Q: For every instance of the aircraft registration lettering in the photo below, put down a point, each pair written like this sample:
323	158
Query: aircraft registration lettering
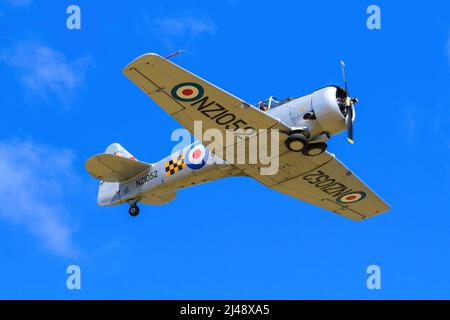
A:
146	178
194	93
221	115
328	185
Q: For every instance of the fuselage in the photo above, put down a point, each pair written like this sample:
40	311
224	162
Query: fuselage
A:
157	184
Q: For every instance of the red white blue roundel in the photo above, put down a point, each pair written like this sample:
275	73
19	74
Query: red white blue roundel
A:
196	157
187	91
351	197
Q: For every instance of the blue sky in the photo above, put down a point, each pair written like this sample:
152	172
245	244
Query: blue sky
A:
64	98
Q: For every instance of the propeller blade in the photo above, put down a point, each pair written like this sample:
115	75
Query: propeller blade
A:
349	122
344	74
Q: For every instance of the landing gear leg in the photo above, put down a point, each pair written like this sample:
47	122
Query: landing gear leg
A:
134	210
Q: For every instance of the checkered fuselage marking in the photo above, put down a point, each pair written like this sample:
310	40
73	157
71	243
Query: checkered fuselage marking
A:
174	165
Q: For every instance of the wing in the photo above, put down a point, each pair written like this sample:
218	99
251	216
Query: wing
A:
335	188
111	168
188	98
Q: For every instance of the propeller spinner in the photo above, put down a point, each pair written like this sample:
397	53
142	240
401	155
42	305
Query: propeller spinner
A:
349	106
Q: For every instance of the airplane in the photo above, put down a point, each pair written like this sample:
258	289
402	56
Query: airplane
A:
307	171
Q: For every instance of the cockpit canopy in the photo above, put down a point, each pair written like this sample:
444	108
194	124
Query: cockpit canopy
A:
271	103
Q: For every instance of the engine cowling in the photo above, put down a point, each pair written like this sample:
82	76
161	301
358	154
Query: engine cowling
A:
327	105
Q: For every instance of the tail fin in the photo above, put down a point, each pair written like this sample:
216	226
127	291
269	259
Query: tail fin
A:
118	150
112	167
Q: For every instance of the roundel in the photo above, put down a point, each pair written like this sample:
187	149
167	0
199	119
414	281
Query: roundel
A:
187	91
196	157
351	197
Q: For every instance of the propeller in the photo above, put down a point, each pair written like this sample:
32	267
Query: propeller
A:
349	106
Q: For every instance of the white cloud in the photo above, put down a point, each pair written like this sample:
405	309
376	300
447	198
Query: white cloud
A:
411	124
32	180
45	72
429	123
179	31
184	26
447	48
18	3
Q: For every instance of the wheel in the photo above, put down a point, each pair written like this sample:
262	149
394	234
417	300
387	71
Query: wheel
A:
314	149
133	211
296	142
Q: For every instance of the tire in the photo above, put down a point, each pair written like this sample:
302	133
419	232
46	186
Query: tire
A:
296	142
315	149
133	211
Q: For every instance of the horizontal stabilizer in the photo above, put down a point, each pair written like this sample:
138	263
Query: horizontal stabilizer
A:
112	168
160	198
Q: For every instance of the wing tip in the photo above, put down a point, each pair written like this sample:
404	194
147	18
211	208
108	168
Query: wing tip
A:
144	58
382	210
